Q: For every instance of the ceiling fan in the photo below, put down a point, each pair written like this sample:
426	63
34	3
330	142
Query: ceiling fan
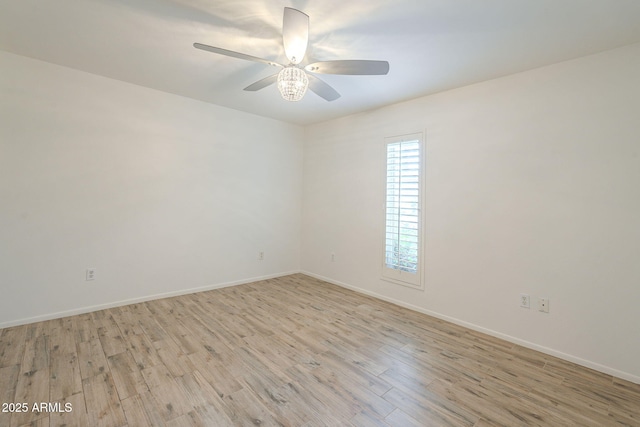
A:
293	80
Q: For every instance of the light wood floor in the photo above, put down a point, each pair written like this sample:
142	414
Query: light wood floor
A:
293	351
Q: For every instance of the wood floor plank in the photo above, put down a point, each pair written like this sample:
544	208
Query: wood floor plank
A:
134	412
627	400
428	412
111	341
208	415
150	325
201	331
172	357
65	379
399	418
221	379
103	405
32	387
292	351
33	381
12	345
420	365
126	320
362	398
171	400
62	334
484	423
353	371
367	419
406	381
139	414
91	358
8	381
156	376
325	399
190	419
40	422
208	406
64	369
245	409
176	331
142	350
278	396
76	417
126	375
85	328
579	410
36	354
38	329
268	349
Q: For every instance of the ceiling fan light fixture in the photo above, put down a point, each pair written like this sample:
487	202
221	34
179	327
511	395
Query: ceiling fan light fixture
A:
292	80
292	83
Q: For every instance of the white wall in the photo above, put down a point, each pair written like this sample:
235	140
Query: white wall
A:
159	193
532	186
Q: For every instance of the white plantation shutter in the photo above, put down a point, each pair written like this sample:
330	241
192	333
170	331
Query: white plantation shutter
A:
403	210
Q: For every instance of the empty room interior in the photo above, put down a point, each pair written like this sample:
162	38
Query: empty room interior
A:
319	213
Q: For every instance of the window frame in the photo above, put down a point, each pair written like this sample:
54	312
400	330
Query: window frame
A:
412	280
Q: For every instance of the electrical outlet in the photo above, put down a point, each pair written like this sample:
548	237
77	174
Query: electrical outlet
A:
525	301
543	305
91	274
260	256
333	257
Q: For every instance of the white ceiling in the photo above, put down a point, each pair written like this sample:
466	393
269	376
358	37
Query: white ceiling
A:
432	45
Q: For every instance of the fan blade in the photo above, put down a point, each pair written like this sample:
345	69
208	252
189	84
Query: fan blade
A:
322	89
350	67
235	54
295	34
261	84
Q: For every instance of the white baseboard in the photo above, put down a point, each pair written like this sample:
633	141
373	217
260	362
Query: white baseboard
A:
82	310
568	357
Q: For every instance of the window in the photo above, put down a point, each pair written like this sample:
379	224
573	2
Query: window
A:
402	254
